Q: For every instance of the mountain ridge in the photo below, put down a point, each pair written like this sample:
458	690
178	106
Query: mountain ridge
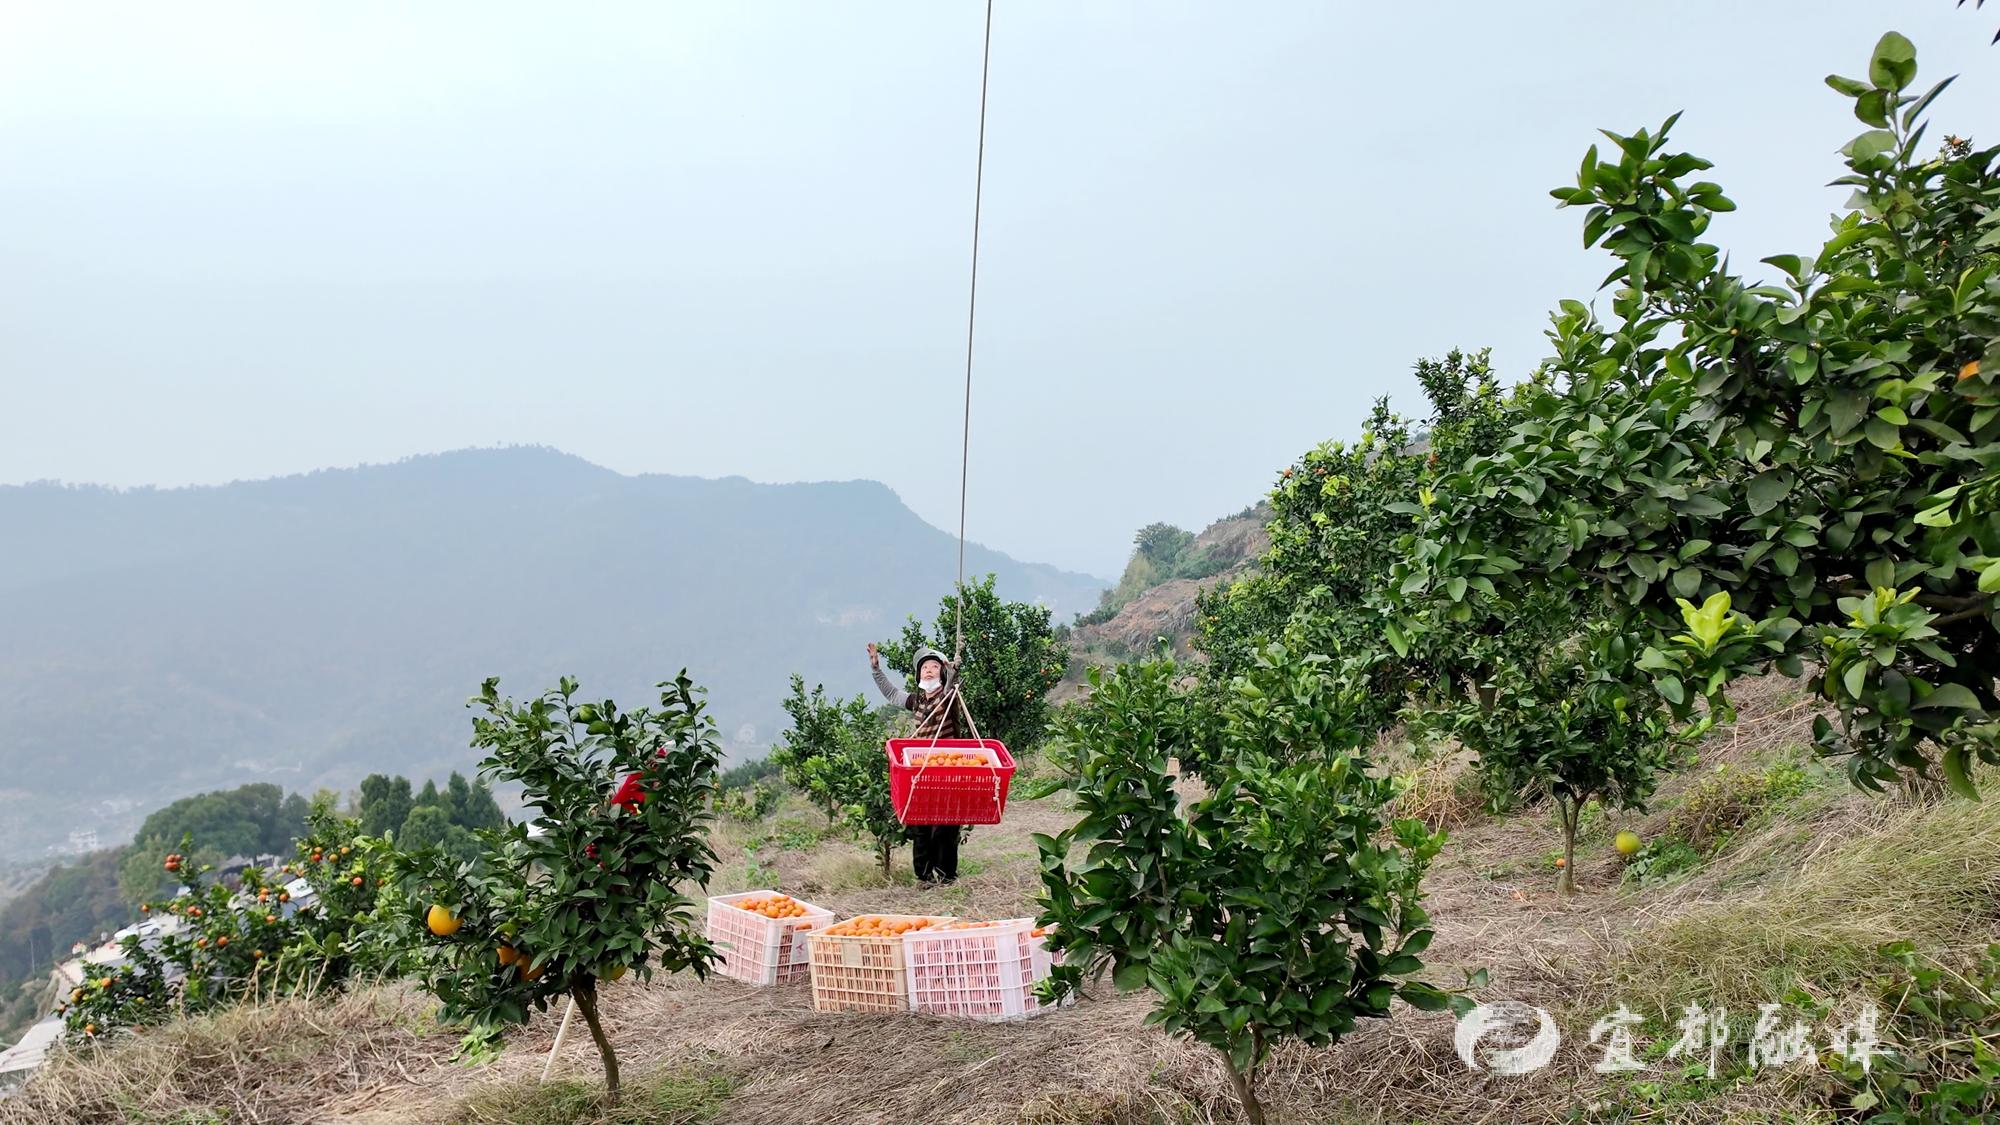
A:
308	629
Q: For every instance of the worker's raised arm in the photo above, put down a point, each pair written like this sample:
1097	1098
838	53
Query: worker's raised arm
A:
890	691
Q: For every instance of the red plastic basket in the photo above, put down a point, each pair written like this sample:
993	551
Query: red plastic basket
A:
949	794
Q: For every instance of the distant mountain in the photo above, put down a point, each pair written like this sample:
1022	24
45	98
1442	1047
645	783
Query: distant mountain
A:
310	629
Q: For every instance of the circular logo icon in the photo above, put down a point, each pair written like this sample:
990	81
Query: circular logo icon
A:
1505	1016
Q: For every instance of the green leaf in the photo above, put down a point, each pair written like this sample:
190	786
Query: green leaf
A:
1853	88
1767	490
1952	695
1242	1054
1397	639
1791	264
1894	65
1869	145
1880	572
1855	678
1423	998
1130	977
1873	108
1989	579
1957	773
1686	582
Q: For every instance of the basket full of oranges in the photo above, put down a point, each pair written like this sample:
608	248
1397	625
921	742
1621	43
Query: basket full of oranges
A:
859	965
948	780
761	935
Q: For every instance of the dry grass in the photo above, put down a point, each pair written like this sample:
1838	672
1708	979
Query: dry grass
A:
1867	872
1442	790
274	1063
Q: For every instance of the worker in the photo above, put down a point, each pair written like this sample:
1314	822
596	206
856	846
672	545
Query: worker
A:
933	847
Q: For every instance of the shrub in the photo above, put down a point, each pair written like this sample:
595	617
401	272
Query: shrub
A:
1279	906
747	804
1723	801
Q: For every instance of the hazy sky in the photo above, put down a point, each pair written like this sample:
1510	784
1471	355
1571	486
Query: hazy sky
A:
239	240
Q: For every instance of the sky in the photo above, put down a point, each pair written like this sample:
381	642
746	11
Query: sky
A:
240	240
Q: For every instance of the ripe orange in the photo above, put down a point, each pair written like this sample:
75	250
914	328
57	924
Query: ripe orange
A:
947	760
356	880
440	919
222	941
509	955
258	954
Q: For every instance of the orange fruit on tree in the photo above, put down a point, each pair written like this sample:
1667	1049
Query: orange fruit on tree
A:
440	919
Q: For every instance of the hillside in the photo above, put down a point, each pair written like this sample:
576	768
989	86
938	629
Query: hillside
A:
1801	878
1148	605
311	629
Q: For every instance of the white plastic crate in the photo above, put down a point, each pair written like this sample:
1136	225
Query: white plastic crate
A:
857	973
986	972
762	950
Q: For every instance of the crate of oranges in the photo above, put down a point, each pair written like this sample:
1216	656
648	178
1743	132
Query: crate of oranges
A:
949	780
977	970
858	965
761	935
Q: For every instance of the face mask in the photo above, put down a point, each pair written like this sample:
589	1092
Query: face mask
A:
930	684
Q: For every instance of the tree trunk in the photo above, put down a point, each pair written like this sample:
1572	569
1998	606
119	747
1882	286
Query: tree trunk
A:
885	854
1571	812
1246	1091
586	1002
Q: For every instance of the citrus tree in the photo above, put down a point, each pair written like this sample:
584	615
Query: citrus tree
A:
1278	906
621	802
814	753
1012	660
834	753
1340	517
1819	447
223	943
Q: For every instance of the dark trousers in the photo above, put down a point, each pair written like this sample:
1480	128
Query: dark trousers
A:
934	852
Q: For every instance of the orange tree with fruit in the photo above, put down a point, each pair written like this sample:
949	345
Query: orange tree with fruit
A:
1279	906
622	802
230	943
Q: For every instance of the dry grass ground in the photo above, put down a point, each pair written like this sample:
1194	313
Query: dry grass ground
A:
1796	898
